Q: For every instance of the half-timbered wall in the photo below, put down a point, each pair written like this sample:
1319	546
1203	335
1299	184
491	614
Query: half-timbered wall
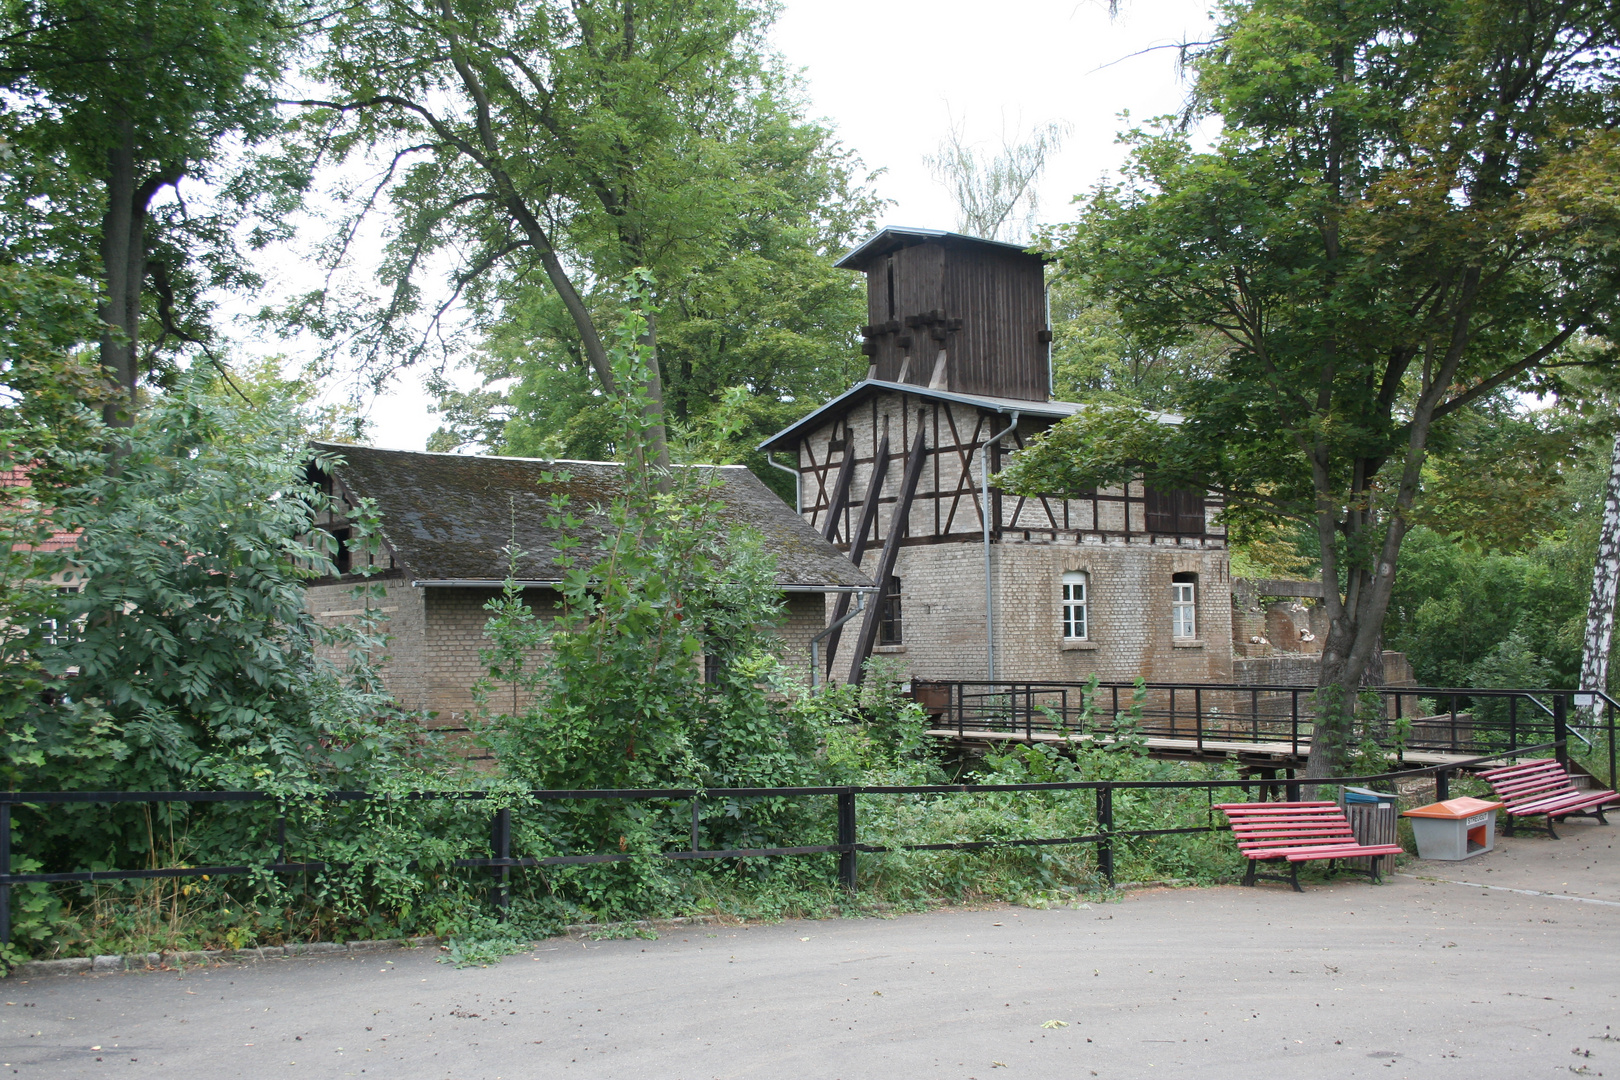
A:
1034	540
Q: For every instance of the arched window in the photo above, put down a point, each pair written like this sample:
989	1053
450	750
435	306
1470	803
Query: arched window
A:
1184	605
1075	603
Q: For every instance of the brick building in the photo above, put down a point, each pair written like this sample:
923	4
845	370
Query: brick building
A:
1121	582
446	521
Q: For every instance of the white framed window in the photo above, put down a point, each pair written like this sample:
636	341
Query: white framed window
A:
1184	605
1076	603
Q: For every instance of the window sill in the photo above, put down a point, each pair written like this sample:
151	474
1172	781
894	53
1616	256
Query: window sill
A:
1079	646
1187	643
888	650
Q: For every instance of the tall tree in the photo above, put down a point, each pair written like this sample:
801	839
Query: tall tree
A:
762	309
995	193
560	142
109	105
1409	208
1605	585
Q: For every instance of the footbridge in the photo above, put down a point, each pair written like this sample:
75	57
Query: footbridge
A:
1268	728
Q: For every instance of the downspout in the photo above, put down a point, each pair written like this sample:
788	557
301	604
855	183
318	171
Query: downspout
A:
984	517
798	499
815	642
1046	301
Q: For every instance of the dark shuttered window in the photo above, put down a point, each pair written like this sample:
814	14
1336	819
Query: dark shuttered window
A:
1177	512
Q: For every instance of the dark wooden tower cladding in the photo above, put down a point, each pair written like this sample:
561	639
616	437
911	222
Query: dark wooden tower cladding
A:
955	313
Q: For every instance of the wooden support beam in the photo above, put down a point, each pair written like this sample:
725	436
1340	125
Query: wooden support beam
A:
891	551
874	490
840	495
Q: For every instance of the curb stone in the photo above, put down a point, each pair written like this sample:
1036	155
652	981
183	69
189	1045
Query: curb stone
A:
173	961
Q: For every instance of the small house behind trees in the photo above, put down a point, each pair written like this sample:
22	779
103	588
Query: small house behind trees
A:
447	521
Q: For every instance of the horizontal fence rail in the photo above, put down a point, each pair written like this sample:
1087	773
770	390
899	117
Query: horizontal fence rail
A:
1225	716
501	861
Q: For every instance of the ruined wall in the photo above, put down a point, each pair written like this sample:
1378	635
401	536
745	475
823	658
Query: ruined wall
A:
1271	617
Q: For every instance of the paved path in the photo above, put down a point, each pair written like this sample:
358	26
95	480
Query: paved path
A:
1420	978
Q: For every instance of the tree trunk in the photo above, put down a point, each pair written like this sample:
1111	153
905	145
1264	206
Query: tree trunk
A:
123	261
1605	580
1353	649
657	447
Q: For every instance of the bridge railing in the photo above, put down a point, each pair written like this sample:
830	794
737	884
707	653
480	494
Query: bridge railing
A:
1456	720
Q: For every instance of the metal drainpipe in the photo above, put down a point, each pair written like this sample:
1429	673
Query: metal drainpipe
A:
815	642
798	498
989	588
1046	302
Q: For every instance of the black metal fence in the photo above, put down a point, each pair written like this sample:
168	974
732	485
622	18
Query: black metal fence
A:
1217	717
848	846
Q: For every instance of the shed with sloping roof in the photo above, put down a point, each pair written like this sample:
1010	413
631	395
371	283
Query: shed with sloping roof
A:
446	523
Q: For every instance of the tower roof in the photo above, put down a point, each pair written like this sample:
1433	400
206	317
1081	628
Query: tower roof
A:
894	237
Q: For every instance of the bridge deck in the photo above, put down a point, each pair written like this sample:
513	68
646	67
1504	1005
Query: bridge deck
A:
1162	746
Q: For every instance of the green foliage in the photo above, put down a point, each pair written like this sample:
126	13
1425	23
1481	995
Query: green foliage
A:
662	135
184	658
1390	229
110	104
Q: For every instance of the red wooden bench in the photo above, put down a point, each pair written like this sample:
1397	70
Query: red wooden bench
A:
1544	787
1299	832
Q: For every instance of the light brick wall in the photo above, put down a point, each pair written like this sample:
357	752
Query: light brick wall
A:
402	607
805	618
942	594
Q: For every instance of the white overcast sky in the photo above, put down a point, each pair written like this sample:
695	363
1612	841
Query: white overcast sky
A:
888	75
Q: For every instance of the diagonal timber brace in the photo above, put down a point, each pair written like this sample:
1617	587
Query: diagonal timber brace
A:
891	550
857	549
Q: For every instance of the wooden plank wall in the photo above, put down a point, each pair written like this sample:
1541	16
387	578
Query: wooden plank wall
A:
1000	296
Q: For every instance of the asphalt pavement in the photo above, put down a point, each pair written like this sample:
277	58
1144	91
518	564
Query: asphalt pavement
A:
1504	966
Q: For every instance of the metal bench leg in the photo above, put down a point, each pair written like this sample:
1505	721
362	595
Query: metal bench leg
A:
1248	878
1601	819
1293	876
1550	827
1375	860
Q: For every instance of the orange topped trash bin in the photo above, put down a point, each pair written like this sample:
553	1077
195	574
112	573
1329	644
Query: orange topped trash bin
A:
1454	829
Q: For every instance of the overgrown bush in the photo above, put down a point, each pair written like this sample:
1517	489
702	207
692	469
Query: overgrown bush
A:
174	652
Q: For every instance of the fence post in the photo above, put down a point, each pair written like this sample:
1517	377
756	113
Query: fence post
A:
501	841
1608	713
695	804
1442	785
1513	721
5	870
1561	728
1105	826
846	840
1291	788
1294	711
1198	715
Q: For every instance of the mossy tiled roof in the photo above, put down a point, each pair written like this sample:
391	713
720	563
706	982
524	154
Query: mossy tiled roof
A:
449	517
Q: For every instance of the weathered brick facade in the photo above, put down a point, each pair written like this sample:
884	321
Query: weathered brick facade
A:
445	525
432	662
